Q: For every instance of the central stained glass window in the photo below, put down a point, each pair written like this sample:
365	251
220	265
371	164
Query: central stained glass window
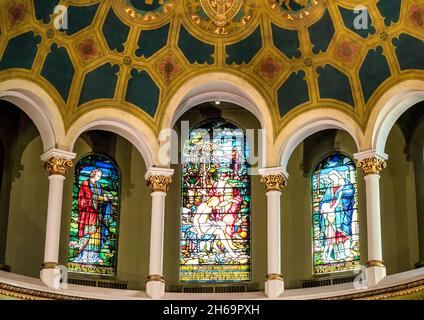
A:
215	215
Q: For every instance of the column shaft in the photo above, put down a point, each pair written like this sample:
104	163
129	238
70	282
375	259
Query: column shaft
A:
274	232
373	217
157	233
54	212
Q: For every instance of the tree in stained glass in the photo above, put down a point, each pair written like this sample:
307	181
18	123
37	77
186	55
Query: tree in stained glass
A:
215	215
335	215
94	217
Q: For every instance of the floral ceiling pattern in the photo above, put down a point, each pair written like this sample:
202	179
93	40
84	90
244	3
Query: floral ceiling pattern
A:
135	54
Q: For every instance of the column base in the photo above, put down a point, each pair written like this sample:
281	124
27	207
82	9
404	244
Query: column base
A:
50	275
5	268
375	274
274	286
155	286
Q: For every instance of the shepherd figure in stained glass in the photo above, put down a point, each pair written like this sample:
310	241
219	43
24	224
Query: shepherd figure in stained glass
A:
94	209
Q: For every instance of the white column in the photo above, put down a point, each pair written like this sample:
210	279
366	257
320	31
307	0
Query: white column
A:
275	180
54	210
158	179
274	232
56	162
372	163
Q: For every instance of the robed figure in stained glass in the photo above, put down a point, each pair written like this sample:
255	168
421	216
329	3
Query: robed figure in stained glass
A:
336	229
94	219
94	208
336	209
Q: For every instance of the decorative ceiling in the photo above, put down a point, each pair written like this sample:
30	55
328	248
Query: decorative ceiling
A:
134	54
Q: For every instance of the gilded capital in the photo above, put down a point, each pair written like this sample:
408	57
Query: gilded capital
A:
58	166
371	165
159	183
274	182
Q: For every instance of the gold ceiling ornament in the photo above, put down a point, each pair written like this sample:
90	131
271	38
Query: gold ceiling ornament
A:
222	17
371	165
274	182
58	166
149	12
221	11
290	11
159	183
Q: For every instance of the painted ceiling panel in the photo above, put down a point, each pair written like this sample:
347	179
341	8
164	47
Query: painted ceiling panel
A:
80	18
293	92
100	83
143	92
20	51
409	51
58	70
333	84
390	10
137	53
287	41
151	41
244	51
115	32
44	9
374	71
195	50
322	33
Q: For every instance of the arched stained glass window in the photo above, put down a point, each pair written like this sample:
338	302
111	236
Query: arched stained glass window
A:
94	219
335	215
215	215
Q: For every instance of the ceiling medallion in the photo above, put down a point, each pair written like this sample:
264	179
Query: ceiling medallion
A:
148	10
221	11
292	10
221	17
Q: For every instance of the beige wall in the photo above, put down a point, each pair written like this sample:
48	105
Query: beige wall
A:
27	213
398	207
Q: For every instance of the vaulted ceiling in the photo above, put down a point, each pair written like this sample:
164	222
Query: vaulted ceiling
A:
134	54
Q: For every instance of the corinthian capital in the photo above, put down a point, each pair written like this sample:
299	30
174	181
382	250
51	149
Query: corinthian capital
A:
159	179
58	162
372	165
159	183
58	166
274	182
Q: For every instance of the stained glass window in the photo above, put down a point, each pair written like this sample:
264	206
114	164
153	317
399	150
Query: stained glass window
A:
335	215
94	217
215	215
